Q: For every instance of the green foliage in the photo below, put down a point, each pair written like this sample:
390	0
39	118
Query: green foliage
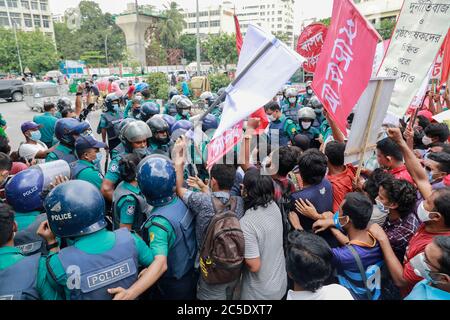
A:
92	57
218	80
96	26
155	53
326	21
188	43
36	50
221	49
169	29
159	86
386	28
282	36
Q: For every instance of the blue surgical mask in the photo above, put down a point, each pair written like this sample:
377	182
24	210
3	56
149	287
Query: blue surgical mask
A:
98	159
381	206
141	152
36	135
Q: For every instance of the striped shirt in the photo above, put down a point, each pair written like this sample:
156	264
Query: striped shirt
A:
263	233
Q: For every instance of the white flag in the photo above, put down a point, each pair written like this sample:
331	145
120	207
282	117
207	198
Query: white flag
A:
262	81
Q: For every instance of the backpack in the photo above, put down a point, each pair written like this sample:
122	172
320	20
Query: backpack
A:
284	204
222	252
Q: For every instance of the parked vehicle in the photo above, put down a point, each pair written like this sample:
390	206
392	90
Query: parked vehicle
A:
37	93
11	90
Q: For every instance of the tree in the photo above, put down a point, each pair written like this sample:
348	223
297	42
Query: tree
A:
155	53
92	58
282	36
218	80
37	51
170	27
158	85
326	21
188	43
221	49
386	27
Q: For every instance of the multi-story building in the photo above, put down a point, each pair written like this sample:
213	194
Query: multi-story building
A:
27	15
60	18
377	10
212	19
276	16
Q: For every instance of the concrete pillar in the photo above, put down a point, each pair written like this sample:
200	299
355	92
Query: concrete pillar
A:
134	28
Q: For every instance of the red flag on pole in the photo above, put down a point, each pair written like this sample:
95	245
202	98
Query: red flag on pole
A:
239	39
345	63
446	61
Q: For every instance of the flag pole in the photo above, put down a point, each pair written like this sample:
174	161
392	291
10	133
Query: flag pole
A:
368	127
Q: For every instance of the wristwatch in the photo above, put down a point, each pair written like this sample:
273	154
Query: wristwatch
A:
52	246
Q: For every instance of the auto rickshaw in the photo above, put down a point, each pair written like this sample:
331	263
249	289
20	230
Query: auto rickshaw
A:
35	94
200	85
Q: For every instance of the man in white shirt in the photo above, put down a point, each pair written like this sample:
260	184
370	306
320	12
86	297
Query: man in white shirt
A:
308	264
33	148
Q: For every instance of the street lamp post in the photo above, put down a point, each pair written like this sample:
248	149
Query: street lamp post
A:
198	41
106	49
17	46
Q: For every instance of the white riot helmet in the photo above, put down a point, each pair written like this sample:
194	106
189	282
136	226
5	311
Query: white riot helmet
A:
135	131
306	113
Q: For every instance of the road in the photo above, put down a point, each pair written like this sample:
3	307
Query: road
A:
15	113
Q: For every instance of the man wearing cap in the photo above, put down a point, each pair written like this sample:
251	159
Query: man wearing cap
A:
47	121
33	148
87	168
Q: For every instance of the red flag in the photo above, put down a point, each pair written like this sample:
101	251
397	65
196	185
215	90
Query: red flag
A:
219	146
345	63
239	40
310	43
446	61
264	122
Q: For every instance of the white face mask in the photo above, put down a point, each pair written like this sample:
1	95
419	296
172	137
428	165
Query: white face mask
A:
306	125
381	206
309	92
292	100
427	141
271	118
422	213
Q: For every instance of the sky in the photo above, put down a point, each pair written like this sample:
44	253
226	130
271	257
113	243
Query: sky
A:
303	8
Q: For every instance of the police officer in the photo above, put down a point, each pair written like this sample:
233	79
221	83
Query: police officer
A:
21	277
135	137
317	106
66	131
135	110
184	106
129	205
209	125
159	142
121	146
171	108
110	120
207	98
279	122
170	229
137	94
181	124
87	167
95	259
306	117
62	103
148	110
170	120
308	95
291	108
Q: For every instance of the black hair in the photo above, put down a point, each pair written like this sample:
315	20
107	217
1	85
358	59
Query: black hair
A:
312	166
443	159
224	174
259	189
401	192
4	145
272	106
438	130
389	148
128	167
373	182
308	260
335	152
359	208
5	162
442	204
443	242
65	112
146	93
423	121
287	160
446	148
6	223
302	141
49	106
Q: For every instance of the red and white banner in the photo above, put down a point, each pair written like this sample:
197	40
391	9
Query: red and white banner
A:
310	45
220	146
446	61
345	64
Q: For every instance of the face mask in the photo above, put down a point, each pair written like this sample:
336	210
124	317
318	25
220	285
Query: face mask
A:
422	213
318	111
292	100
420	267
306	125
272	118
442	92
427	141
141	152
98	159
35	136
381	206
309	91
185	113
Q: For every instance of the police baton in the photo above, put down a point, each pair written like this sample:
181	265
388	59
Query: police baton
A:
106	161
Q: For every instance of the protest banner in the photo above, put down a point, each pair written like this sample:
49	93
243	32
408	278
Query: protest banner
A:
370	112
379	55
345	64
418	35
220	146
310	44
445	77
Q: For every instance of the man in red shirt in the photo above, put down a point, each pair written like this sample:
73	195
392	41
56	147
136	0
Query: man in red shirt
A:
389	156
131	89
340	176
433	212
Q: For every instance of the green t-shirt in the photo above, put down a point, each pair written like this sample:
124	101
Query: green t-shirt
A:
97	243
24	219
127	205
90	174
53	157
9	256
48	130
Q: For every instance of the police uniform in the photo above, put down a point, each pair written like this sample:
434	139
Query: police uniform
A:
159	149
312	133
171	233
105	260
87	171
24	219
24	277
181	117
61	152
130	206
48	121
110	120
170	109
113	174
126	112
286	128
291	112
